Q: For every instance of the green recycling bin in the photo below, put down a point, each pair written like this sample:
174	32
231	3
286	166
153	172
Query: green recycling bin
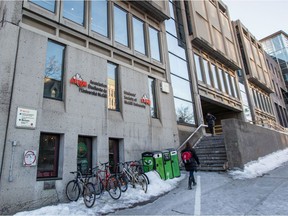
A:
167	164
158	164
147	161
175	162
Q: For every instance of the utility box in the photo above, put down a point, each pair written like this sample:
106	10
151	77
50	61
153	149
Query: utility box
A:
147	161
167	164
175	162
158	164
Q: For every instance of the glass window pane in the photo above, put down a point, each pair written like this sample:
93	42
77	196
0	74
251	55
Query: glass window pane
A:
181	88
174	47
120	26
48	156
234	87
74	11
47	4
227	77
214	76
184	111
53	85
171	27
222	81
154	44
99	17
84	154
113	96
206	70
197	60
138	33
178	66
152	97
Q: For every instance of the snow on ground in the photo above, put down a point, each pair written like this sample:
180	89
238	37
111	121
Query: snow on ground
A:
106	204
261	166
156	187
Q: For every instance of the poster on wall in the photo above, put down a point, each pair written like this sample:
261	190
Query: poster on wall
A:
26	118
29	158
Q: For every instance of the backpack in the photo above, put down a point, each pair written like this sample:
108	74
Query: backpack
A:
187	157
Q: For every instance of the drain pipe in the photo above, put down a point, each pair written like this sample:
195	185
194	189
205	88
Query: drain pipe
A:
14	143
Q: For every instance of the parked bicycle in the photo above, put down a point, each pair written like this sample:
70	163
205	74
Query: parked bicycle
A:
81	185
134	176
103	180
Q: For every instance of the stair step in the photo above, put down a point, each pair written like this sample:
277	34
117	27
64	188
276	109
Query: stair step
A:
211	169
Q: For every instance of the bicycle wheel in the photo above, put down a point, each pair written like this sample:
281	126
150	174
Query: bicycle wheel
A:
123	182
73	190
143	182
89	194
98	185
146	177
113	187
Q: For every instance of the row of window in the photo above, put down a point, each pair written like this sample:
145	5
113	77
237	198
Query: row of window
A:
180	79
144	40
54	72
51	152
215	77
262	101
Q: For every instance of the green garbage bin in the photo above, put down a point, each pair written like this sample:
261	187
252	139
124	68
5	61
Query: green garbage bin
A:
147	161
175	162
167	164
158	164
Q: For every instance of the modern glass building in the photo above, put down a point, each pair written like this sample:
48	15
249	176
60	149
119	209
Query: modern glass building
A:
276	45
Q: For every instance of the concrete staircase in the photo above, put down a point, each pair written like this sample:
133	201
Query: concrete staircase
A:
212	153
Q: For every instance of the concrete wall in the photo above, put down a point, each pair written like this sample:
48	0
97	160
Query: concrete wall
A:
78	114
246	142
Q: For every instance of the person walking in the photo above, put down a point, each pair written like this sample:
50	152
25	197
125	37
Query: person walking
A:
210	119
190	161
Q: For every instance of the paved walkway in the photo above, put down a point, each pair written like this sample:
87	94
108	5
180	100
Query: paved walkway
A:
219	194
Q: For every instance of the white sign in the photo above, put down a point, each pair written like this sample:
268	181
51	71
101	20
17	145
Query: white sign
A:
29	158
26	118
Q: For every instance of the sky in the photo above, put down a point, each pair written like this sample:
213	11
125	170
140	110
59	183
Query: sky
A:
157	186
261	17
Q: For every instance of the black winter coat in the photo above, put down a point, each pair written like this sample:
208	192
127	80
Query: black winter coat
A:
195	162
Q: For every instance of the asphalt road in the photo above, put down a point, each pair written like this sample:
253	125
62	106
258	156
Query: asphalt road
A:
219	194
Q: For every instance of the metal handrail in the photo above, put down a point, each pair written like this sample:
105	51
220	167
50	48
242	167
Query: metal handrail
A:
201	125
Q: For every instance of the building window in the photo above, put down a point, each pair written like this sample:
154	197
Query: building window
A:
214	76
184	111
113	95
138	36
74	11
178	66
120	26
48	156
197	60
84	154
206	70
154	44
53	77
152	96
221	74
227	78
99	17
46	4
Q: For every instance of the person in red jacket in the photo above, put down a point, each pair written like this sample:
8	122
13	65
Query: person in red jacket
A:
190	164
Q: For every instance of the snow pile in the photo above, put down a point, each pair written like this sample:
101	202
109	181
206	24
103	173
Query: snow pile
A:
261	166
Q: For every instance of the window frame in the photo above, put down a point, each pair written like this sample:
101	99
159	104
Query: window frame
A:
117	90
62	70
42	11
56	153
153	98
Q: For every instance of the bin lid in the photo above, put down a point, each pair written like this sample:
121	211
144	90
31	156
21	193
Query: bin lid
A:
147	154
172	151
157	154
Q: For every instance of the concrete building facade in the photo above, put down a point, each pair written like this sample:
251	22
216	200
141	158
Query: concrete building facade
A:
84	82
